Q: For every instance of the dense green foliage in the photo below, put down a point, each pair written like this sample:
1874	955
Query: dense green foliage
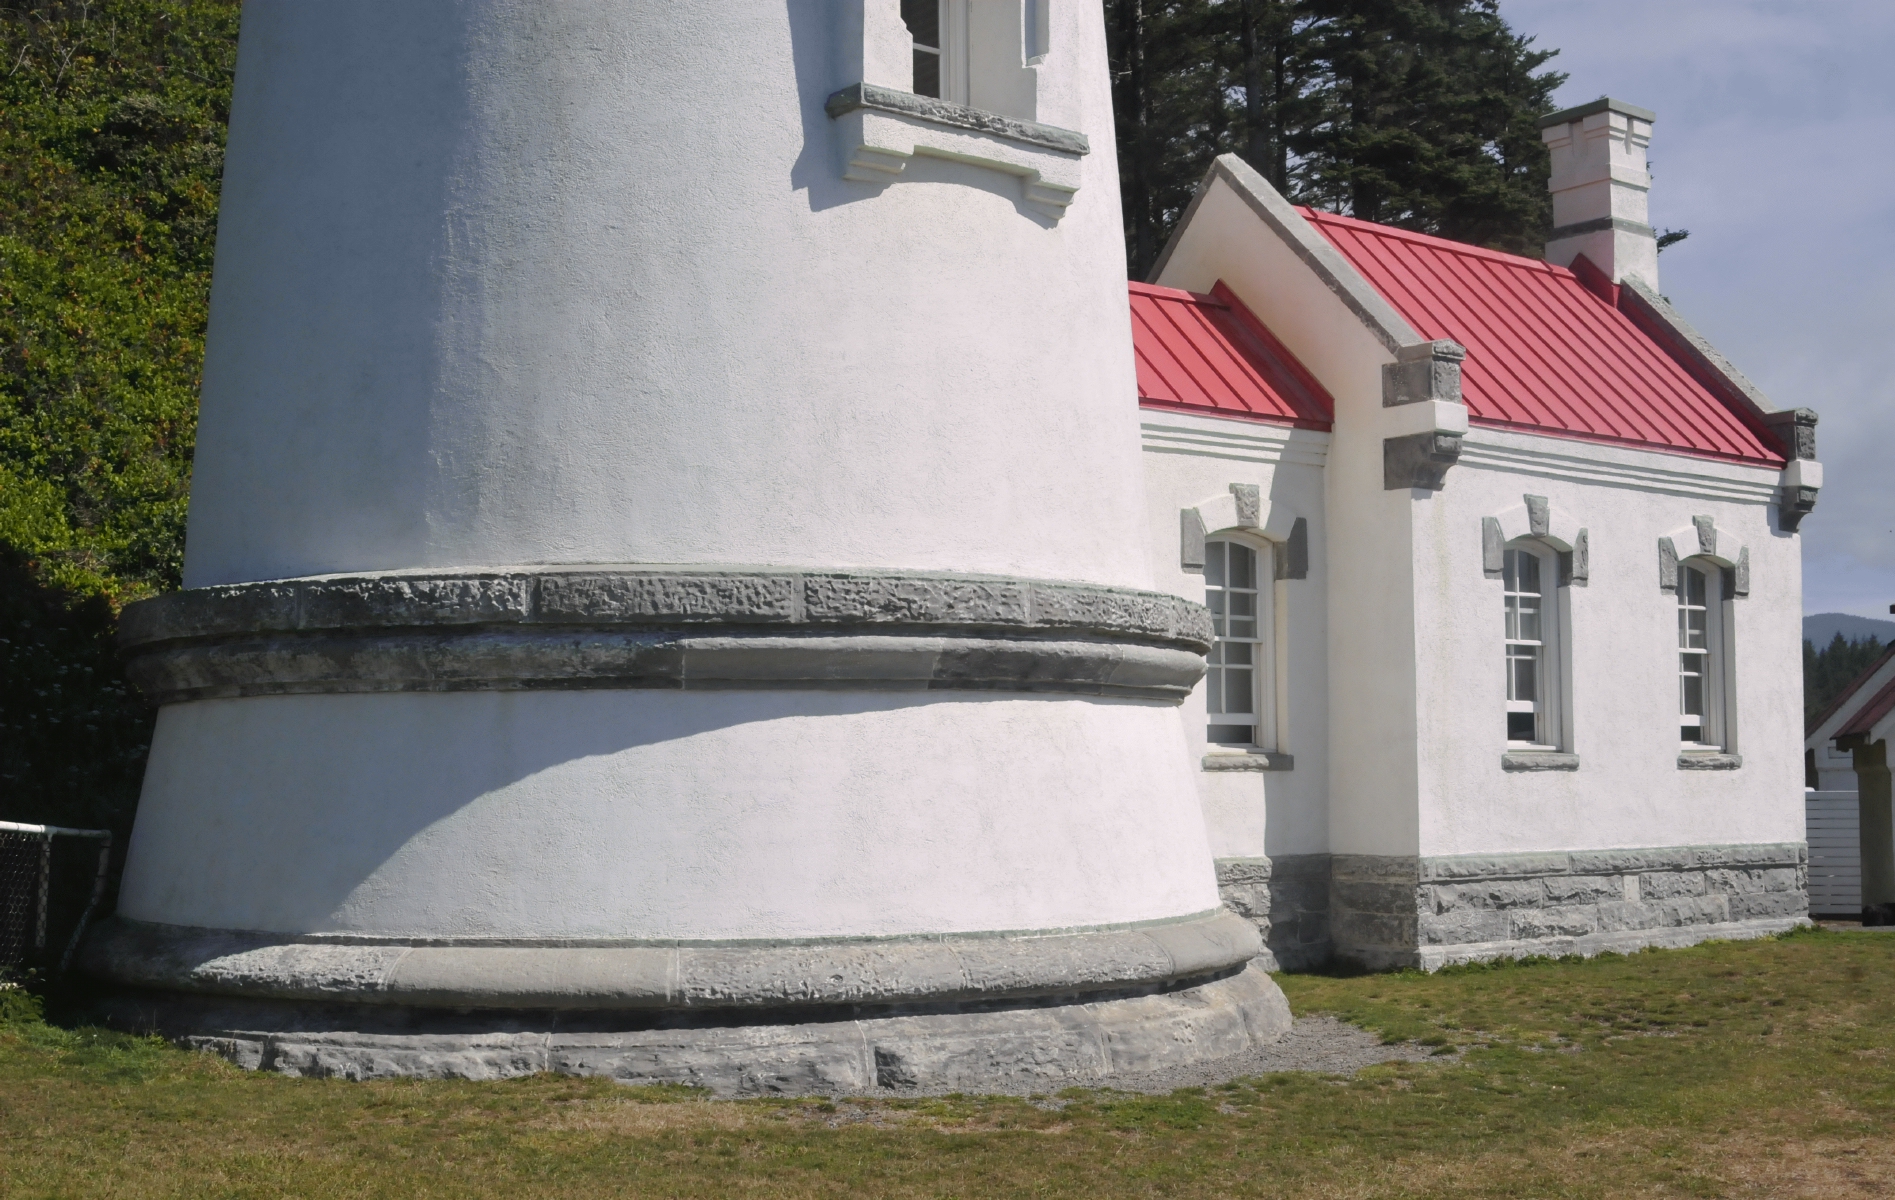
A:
112	117
1416	113
1733	1069
1828	671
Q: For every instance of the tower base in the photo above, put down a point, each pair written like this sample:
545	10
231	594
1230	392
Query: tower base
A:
1043	1045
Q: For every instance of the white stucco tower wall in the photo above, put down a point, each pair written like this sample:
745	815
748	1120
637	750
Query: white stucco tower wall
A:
661	483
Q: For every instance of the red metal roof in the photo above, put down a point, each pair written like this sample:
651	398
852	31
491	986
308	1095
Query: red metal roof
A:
1210	354
1545	352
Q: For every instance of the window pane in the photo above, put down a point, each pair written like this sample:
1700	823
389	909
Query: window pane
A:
1242	629
1231	735
1692	700
1243	604
1214	691
1243	566
1214	564
1237	691
1237	653
1526	683
1692	581
927	73
1520	727
1529	572
1510	571
923	18
1513	618
1529	619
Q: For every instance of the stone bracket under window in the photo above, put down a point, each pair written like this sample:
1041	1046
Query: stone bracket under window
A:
1534	517
1802	478
1703	540
1710	762
1250	760
882	129
1538	760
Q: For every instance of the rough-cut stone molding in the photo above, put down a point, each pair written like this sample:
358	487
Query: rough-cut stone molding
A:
662	628
881	129
1048	1045
1710	762
1391	911
1424	371
606	975
1287	898
1538	760
1250	760
1419	460
1535	517
1702	540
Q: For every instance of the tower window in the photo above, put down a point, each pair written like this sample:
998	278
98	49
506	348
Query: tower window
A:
923	18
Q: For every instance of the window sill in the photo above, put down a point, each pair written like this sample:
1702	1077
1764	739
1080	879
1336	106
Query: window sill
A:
882	129
1250	760
1538	760
1701	760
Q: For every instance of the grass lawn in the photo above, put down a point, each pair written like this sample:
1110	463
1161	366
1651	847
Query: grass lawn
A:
1737	1069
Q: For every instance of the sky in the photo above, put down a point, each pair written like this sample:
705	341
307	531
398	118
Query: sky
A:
1775	147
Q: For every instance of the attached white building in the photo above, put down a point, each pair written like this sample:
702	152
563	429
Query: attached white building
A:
1851	833
1508	570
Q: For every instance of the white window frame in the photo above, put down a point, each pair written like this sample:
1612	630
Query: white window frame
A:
1549	703
1263	644
1713	656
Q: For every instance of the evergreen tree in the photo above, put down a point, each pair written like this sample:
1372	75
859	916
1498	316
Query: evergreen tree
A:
1829	671
1416	113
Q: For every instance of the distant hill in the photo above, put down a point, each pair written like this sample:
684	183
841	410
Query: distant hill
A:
1824	626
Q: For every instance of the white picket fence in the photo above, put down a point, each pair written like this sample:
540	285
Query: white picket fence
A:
1835	853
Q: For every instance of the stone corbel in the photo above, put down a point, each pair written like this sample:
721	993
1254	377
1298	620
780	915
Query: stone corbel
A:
1535	517
1421	392
1795	430
1701	539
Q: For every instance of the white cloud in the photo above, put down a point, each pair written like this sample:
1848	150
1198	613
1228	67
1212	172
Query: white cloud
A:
1775	123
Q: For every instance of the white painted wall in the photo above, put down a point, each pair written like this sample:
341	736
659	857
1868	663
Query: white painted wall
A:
665	815
1371	651
503	282
1191	458
506	282
1628	791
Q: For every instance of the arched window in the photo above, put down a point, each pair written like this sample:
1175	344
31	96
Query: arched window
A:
1702	721
1534	647
1240	685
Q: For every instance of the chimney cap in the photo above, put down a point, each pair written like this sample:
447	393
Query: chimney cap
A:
1602	104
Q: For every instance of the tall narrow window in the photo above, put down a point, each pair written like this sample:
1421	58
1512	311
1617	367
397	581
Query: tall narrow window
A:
1526	649
1700	671
1238	685
923	18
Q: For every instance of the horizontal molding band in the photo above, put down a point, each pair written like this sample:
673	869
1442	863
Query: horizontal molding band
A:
538	660
858	96
1600	225
618	977
662	627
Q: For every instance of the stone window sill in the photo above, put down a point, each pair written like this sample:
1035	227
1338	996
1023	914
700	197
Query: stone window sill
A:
1700	761
881	129
1538	760
1250	760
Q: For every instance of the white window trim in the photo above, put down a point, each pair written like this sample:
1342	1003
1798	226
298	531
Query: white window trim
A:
1718	726
1268	683
1555	700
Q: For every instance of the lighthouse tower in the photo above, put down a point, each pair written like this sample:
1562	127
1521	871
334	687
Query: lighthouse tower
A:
664	586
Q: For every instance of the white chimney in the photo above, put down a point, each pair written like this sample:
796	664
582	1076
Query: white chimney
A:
1600	189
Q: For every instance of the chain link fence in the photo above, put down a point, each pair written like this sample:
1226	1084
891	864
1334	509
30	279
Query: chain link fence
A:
51	881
